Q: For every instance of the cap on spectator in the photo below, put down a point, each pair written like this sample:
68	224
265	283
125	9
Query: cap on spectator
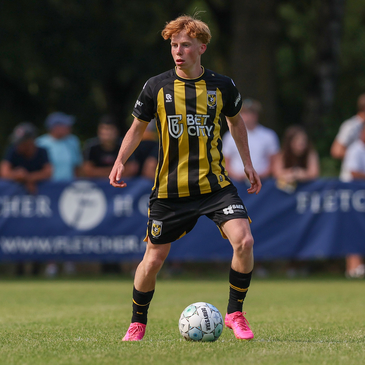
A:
22	132
251	105
59	118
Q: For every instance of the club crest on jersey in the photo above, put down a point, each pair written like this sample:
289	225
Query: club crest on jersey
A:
212	99
156	228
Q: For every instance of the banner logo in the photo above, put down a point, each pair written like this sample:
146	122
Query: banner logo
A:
82	205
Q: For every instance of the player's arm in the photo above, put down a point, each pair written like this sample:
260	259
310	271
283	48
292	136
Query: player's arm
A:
130	142
238	131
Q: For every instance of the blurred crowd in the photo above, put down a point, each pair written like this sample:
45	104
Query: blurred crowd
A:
57	155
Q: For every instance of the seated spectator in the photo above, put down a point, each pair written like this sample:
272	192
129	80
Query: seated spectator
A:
27	164
353	168
146	153
24	162
263	143
297	161
349	130
63	147
100	152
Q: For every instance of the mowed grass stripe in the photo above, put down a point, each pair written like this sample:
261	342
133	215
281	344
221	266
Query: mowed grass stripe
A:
82	322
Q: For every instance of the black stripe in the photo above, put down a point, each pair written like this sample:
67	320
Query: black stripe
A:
193	179
174	142
160	152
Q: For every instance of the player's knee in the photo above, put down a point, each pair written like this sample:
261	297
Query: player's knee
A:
153	265
246	244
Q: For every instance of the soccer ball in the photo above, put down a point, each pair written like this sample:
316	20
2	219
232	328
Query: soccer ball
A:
201	322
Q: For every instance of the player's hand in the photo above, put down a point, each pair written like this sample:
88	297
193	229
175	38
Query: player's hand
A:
254	180
115	176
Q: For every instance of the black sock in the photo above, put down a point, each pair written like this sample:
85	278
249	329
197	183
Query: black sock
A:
141	303
239	284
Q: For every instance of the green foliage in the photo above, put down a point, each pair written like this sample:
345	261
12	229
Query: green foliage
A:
82	322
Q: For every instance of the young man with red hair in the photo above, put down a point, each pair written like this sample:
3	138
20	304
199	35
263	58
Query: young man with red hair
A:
191	179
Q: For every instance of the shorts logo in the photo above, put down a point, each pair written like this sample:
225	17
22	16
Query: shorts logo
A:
156	228
212	99
231	209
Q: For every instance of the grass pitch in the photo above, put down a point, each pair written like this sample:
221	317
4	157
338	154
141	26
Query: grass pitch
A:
82	322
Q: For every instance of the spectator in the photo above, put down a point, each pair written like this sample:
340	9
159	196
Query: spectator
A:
349	130
62	146
27	164
297	161
263	143
146	153
24	162
353	168
100	152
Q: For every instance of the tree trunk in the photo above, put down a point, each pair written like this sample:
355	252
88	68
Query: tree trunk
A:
253	53
320	97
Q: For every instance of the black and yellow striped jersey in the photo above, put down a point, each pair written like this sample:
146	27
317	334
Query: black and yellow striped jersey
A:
188	119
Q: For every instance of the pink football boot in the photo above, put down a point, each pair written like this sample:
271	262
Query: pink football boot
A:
239	324
135	332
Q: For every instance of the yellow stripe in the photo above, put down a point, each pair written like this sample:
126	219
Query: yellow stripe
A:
183	165
202	106
164	137
216	155
141	305
242	290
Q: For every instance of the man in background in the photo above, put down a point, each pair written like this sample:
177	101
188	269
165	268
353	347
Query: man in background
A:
62	146
263	143
349	130
100	152
24	162
353	168
27	164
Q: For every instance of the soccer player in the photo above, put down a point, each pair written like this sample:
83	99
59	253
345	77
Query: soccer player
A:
191	180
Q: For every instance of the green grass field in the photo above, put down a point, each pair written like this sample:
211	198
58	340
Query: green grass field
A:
82	322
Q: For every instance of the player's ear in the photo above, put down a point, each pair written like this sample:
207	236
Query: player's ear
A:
203	48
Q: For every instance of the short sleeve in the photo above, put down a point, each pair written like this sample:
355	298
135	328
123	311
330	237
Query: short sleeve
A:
43	156
348	133
233	100
9	154
144	108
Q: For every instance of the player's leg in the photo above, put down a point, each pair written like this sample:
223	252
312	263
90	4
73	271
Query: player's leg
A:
239	234
144	287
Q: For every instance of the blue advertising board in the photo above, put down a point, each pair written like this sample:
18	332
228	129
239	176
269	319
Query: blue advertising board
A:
87	220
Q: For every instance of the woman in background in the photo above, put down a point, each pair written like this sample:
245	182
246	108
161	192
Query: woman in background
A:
297	161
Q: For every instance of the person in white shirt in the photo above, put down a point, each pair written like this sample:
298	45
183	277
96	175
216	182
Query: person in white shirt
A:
349	130
353	168
263	143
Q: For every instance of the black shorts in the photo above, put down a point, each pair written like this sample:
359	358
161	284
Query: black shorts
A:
170	219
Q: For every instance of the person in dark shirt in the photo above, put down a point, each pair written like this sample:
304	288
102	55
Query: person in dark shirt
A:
100	152
146	153
24	162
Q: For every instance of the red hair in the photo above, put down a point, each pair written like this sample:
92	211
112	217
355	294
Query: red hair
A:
194	28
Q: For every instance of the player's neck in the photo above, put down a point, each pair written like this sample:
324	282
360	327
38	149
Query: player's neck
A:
192	73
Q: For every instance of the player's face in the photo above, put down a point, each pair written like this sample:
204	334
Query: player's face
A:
186	52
